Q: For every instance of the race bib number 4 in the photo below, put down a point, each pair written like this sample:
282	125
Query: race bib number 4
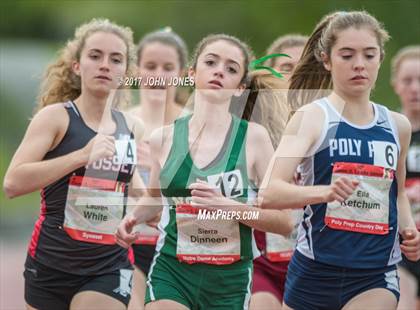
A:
126	151
94	208
215	242
367	209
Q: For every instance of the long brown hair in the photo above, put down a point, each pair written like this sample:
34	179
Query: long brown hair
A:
310	73
266	103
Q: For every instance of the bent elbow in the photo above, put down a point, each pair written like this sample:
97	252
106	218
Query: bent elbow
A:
10	189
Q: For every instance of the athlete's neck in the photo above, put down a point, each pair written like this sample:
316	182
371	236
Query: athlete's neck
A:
157	113
94	110
414	118
357	110
212	115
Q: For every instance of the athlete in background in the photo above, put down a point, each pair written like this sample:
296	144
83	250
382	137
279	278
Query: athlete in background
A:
160	54
406	82
289	44
271	267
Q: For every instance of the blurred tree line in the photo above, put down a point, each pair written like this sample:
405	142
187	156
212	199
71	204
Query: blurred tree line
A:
258	22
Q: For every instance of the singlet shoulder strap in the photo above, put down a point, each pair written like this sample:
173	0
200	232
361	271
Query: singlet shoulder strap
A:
329	126
178	164
70	106
122	126
386	121
72	111
180	135
383	117
331	114
240	127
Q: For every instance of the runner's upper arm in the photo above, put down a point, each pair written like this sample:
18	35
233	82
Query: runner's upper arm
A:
41	136
259	145
300	135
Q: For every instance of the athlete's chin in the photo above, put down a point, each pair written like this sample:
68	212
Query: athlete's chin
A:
359	89
101	92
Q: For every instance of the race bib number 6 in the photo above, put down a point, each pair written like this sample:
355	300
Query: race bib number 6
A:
385	154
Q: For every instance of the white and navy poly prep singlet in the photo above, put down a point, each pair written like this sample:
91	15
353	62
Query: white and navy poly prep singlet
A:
362	232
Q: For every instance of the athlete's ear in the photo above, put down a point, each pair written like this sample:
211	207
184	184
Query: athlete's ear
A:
326	61
76	67
240	90
191	72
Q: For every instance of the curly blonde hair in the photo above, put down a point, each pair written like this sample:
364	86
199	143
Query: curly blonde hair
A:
60	83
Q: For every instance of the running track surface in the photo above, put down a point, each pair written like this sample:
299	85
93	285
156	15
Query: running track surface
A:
12	258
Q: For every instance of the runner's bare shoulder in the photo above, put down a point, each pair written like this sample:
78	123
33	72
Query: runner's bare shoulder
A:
48	126
54	115
308	121
257	136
